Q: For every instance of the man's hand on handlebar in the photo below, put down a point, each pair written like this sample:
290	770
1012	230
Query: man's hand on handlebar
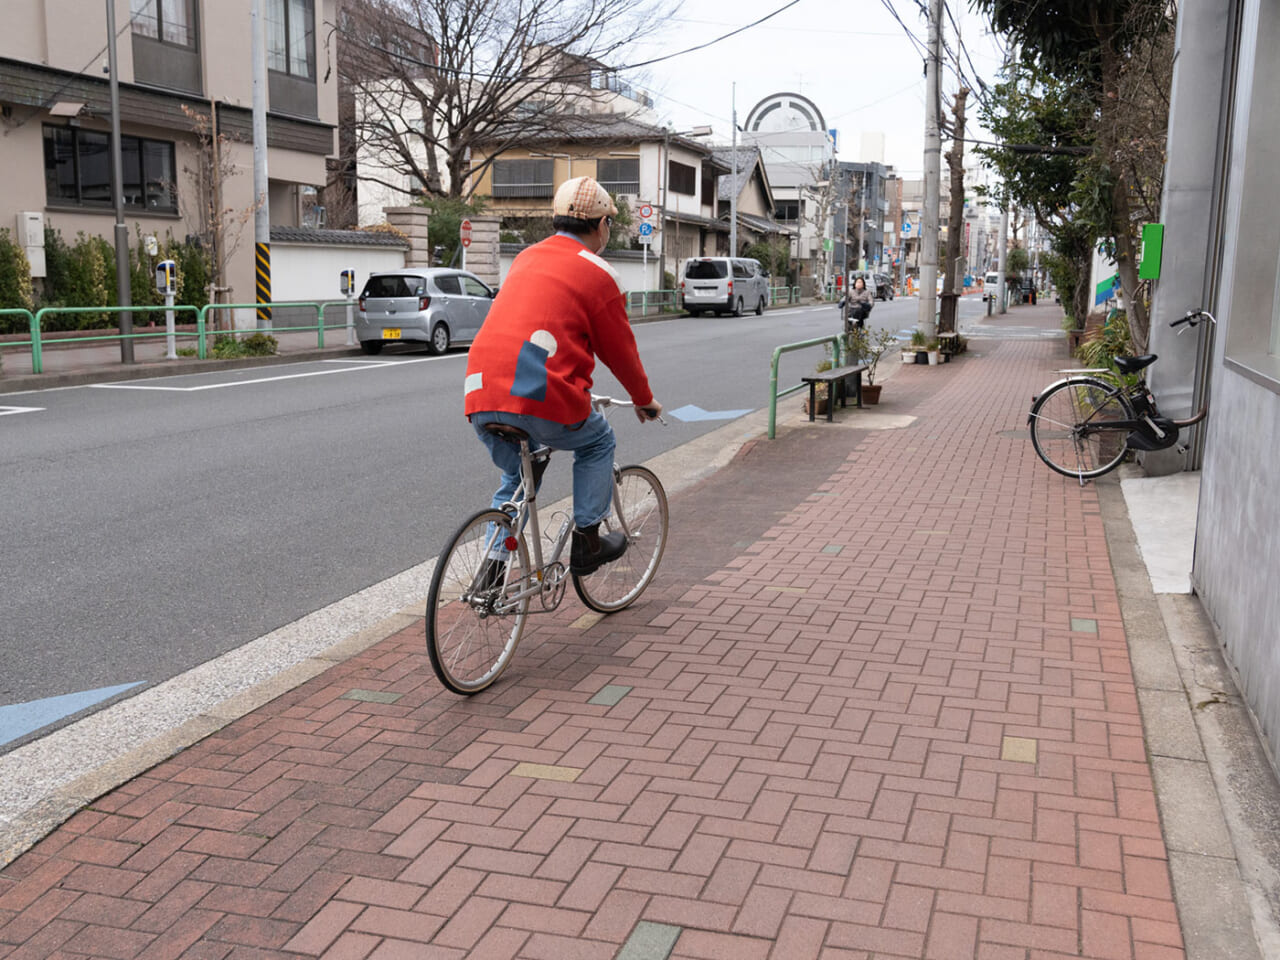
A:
650	411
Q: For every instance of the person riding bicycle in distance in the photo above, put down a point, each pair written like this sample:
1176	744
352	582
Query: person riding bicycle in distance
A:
531	365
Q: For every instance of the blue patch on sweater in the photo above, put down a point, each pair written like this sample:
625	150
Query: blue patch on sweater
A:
531	373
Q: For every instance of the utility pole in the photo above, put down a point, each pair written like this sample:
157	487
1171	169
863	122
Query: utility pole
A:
124	294
955	232
932	176
1003	243
262	210
664	174
733	189
862	188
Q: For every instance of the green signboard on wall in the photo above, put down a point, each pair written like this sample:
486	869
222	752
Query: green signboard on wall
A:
1152	251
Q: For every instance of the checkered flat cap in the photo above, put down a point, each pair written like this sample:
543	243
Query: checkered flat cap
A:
583	198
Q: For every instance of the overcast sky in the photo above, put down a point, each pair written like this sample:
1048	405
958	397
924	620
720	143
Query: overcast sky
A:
850	57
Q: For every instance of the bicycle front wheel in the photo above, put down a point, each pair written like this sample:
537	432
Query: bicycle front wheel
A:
640	511
1069	427
472	626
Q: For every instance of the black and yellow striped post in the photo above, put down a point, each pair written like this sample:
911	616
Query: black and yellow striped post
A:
264	283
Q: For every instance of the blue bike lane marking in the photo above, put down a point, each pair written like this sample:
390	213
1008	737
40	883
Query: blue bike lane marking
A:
19	719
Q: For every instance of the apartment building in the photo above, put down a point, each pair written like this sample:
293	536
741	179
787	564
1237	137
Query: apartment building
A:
185	73
676	175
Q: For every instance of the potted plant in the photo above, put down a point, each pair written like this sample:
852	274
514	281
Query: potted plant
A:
932	349
866	348
918	351
910	350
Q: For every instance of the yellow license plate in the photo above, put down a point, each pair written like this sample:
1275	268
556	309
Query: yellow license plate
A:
390	333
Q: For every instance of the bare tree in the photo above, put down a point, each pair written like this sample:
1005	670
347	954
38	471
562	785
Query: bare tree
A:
433	78
219	227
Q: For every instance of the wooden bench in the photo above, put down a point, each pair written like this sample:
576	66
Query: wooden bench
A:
836	383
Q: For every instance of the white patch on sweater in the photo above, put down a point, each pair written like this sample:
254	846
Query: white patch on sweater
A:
603	265
474	381
546	340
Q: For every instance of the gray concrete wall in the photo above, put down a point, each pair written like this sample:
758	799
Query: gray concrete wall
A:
1237	561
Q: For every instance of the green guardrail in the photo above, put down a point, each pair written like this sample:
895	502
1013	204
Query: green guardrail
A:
31	323
645	300
777	294
319	326
37	343
837	347
37	340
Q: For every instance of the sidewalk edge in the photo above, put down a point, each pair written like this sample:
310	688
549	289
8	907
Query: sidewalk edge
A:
1212	891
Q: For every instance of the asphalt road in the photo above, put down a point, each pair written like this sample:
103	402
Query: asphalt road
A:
151	526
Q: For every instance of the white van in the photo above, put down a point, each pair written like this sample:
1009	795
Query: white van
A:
724	285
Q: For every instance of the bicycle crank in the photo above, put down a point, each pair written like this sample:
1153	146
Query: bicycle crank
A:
553	584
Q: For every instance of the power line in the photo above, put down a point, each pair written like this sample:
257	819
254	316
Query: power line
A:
703	46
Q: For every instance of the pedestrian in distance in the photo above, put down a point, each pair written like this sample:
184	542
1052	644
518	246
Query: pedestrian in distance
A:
531	365
860	302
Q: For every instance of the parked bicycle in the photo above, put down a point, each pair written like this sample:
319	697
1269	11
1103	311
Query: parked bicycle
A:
496	564
1084	425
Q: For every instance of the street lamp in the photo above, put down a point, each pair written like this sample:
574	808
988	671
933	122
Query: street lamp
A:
665	173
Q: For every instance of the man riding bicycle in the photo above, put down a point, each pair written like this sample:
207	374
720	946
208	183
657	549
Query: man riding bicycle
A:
530	367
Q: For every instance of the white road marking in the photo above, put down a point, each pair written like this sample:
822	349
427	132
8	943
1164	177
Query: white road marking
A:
352	366
5	411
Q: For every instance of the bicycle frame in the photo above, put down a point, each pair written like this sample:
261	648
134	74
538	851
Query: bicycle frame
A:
523	506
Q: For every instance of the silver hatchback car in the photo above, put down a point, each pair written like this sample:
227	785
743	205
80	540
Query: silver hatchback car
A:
436	306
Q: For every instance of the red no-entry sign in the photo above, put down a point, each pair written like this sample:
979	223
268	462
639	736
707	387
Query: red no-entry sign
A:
465	233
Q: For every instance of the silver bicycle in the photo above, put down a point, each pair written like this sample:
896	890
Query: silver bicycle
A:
498	563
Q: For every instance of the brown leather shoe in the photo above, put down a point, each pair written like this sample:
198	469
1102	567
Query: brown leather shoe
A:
590	550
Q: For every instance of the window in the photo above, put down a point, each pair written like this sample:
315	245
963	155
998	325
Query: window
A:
77	170
682	178
291	37
169	21
619	176
786	211
449	285
523	178
706	270
474	288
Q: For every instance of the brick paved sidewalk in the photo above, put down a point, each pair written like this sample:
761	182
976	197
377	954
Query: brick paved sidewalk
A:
877	704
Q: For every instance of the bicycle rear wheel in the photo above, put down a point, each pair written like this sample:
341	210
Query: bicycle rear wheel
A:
472	629
1069	427
638	498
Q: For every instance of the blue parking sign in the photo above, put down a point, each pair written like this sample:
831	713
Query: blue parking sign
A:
646	229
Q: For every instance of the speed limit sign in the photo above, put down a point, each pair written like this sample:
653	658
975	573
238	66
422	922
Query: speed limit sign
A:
646	211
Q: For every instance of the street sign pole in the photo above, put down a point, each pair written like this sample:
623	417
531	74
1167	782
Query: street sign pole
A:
464	234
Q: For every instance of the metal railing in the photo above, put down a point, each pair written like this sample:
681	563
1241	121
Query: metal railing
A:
319	326
20	312
837	349
37	340
656	301
776	295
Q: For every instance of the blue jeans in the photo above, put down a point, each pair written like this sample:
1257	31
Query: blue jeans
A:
592	444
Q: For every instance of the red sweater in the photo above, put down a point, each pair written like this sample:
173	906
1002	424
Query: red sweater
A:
560	307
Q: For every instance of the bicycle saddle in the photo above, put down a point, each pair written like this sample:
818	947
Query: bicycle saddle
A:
1134	364
506	431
